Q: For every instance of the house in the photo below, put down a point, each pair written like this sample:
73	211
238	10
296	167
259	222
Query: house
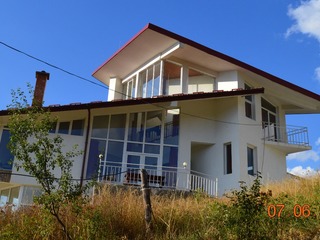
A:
193	117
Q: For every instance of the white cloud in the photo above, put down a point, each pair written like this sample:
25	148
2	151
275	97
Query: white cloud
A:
317	73
307	19
318	142
304	156
302	172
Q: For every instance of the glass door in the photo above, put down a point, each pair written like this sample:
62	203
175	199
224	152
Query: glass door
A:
135	162
269	120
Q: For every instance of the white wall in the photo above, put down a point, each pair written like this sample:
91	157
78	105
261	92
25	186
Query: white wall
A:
207	133
201	83
227	80
69	142
115	89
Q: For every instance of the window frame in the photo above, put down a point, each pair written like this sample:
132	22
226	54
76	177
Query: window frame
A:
56	128
252	166
249	104
227	158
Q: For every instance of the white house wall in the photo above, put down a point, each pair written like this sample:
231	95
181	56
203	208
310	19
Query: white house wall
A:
206	134
69	142
271	162
227	80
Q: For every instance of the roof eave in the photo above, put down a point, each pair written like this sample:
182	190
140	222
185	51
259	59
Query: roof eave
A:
213	53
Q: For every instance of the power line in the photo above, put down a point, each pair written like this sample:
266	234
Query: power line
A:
104	176
51	65
121	93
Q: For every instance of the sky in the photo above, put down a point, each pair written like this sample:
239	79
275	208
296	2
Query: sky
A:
281	37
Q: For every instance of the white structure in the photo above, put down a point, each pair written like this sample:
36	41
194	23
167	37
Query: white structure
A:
188	114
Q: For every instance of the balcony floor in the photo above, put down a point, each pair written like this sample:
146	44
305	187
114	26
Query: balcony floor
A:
286	147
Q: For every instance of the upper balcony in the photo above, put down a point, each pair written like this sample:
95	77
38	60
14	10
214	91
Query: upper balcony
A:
289	138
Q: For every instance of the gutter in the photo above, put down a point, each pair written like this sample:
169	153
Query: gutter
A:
85	148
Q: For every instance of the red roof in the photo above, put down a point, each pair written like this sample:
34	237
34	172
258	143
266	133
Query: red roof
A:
153	100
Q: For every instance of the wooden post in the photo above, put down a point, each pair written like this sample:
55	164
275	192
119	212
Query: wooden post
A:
146	199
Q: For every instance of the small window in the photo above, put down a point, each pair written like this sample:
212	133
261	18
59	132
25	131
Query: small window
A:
6	156
64	127
227	158
252	160
77	127
249	104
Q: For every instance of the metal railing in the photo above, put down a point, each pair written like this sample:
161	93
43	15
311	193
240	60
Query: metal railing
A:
290	134
161	177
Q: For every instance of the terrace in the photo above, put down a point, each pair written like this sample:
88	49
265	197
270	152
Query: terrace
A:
165	178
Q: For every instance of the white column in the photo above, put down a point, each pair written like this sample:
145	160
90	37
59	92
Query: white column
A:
115	89
184	79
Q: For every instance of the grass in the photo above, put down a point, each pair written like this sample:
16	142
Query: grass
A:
117	213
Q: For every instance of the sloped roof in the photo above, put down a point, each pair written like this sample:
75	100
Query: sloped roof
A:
152	39
153	100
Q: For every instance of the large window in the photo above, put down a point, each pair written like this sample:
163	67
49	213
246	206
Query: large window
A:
152	137
170	147
165	78
227	158
107	140
249	104
149	81
171	78
252	160
144	128
6	158
171	128
269	120
130	89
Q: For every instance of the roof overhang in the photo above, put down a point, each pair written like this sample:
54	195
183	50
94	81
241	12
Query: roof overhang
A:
152	41
154	100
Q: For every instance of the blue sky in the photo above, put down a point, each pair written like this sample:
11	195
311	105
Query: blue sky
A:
278	36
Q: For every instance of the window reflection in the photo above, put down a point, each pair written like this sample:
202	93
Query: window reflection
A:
6	157
171	129
117	126
153	127
136	127
100	126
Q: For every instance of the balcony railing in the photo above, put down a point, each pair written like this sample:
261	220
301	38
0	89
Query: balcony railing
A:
290	134
161	177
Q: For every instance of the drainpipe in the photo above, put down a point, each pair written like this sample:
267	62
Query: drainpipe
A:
85	148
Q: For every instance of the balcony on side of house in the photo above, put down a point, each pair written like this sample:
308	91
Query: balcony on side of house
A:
288	138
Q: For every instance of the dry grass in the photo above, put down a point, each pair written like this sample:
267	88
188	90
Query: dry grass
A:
117	213
295	186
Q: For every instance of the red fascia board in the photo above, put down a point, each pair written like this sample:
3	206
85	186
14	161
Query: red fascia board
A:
219	55
140	101
235	61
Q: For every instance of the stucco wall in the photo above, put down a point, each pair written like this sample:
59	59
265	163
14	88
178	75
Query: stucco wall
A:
203	134
69	142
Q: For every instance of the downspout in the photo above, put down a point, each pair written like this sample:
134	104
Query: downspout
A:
85	148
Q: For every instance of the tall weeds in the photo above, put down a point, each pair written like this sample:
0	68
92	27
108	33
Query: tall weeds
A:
117	213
